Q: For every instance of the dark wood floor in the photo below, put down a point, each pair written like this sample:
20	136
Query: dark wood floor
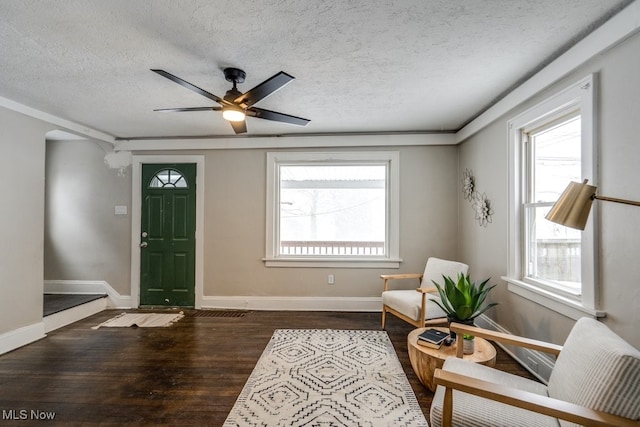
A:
188	374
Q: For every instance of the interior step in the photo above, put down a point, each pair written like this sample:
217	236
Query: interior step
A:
63	309
55	303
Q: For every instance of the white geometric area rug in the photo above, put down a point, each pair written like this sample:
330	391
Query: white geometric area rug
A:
322	377
142	320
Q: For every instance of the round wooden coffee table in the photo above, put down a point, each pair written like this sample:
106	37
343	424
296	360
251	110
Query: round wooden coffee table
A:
425	360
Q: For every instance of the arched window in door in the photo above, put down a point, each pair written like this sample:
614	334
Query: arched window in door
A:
168	178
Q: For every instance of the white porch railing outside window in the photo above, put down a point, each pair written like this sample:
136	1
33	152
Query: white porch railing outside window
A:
332	248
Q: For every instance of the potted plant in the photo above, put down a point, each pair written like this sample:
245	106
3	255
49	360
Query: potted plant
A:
463	300
469	344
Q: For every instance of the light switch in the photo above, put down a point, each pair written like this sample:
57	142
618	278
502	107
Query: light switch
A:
121	210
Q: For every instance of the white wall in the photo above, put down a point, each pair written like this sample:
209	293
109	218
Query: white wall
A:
84	239
485	249
22	144
235	228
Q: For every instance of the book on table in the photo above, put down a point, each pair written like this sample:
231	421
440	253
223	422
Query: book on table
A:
432	338
428	344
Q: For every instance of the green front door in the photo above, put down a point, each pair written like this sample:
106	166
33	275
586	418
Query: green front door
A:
167	238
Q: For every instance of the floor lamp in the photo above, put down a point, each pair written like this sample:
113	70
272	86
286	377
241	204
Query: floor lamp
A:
573	206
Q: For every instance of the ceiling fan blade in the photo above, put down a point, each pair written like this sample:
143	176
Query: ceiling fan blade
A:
181	110
276	117
191	87
239	127
263	90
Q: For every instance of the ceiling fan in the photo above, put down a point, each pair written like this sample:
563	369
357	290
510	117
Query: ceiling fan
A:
235	106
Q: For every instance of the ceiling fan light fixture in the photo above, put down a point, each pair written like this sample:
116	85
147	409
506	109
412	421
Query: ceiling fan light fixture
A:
236	105
233	114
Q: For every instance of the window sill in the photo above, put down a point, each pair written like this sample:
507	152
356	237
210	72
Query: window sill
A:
332	263
565	306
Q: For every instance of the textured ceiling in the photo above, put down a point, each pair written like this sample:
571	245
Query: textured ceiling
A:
360	65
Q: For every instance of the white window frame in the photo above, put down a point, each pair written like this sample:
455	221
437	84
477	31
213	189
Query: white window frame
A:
391	259
579	96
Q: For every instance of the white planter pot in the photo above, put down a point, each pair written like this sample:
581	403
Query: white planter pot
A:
469	346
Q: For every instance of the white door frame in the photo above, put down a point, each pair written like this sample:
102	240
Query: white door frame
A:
136	215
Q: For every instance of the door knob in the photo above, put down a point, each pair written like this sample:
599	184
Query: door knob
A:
143	244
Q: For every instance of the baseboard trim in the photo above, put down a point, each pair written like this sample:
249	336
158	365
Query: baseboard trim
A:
20	337
74	314
537	363
115	300
293	303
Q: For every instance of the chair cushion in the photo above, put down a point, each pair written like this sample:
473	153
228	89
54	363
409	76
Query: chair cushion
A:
408	302
474	411
436	268
597	369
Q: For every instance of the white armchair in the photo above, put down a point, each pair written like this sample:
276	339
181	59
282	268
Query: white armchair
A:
595	382
416	306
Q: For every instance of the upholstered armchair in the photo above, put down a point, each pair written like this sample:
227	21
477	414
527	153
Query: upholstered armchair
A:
416	306
595	382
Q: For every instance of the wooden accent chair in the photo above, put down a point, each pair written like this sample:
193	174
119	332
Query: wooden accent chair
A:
416	306
595	382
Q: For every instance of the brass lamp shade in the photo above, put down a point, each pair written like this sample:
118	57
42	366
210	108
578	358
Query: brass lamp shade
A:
573	206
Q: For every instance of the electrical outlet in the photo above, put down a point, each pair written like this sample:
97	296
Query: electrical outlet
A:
331	279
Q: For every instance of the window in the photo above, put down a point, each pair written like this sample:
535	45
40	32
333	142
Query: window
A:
550	145
553	159
335	209
168	178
